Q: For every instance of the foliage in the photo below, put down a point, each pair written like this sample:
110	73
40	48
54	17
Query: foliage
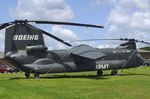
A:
146	48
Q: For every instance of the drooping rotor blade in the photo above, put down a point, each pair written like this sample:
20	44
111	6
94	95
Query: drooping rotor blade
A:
67	23
135	40
4	25
49	22
148	43
122	39
91	40
56	38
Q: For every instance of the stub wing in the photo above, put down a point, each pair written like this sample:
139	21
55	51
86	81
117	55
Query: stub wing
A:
86	51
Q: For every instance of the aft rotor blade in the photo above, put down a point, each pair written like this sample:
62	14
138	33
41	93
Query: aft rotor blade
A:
4	25
67	23
56	38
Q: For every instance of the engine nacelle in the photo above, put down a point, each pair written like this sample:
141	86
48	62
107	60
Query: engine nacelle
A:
37	49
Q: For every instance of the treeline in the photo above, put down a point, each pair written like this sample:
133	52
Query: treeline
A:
146	48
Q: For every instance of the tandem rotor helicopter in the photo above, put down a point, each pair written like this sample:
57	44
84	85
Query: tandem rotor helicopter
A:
25	49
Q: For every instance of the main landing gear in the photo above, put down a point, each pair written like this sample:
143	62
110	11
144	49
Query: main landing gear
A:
27	75
114	72
99	73
36	75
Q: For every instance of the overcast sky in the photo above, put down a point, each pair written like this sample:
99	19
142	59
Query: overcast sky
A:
121	18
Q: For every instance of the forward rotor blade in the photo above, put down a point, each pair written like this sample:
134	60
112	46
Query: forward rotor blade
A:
67	23
91	40
56	38
135	40
122	39
145	42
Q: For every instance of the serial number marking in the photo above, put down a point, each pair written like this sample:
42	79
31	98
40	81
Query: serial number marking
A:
102	66
124	51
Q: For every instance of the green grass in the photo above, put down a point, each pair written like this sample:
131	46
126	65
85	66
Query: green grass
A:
130	84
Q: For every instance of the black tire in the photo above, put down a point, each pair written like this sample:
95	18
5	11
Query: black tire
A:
36	76
114	72
99	73
27	75
146	64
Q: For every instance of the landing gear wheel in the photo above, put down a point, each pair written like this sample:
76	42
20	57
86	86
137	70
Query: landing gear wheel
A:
27	75
36	76
99	73
114	72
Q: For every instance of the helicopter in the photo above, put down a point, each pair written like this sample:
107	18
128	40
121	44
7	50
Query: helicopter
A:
26	50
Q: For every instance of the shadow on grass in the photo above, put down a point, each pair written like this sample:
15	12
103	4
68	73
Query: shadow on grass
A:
128	74
132	74
65	76
81	76
75	76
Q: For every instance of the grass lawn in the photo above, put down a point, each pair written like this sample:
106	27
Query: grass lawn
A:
130	84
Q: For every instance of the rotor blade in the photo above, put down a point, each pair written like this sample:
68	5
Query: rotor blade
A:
136	40
91	40
122	39
67	23
4	25
144	42
56	38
